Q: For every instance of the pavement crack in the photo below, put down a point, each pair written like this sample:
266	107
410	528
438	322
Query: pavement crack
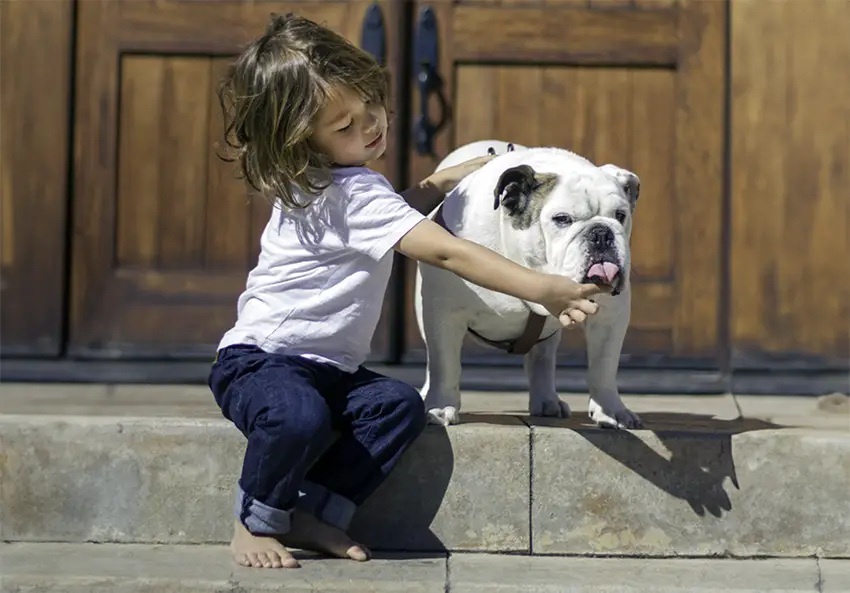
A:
819	583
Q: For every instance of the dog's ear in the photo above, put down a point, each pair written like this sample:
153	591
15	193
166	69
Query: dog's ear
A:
627	180
514	188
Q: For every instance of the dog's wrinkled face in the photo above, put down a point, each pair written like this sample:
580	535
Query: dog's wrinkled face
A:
575	220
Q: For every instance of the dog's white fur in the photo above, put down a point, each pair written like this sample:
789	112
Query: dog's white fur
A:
446	305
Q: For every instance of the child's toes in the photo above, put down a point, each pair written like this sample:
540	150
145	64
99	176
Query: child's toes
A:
282	560
265	559
255	560
358	552
242	559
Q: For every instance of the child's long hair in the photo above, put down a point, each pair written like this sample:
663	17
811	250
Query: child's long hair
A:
270	98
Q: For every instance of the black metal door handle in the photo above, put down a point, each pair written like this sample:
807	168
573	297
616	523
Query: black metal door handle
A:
425	69
373	38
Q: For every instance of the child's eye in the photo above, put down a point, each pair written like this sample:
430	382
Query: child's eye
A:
346	128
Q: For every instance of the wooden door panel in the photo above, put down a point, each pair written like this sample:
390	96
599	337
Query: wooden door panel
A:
35	75
166	231
790	219
637	85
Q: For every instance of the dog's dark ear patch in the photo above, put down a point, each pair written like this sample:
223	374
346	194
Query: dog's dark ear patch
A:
514	188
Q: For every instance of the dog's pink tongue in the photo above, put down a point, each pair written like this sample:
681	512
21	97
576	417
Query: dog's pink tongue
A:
605	270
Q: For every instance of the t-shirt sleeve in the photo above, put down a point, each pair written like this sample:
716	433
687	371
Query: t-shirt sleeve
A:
377	216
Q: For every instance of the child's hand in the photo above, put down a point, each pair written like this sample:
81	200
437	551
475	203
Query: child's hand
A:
570	301
448	178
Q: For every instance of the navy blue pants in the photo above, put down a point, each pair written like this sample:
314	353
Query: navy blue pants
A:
289	408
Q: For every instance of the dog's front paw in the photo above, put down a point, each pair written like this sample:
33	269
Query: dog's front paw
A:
619	419
443	416
552	408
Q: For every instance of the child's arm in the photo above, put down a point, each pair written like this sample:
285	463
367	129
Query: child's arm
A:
425	196
430	243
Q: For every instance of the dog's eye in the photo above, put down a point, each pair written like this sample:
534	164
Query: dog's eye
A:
562	219
620	216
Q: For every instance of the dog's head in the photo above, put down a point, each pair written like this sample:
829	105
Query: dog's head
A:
570	216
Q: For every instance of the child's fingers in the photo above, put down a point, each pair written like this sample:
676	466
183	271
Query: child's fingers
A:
577	315
572	317
587	290
565	319
586	306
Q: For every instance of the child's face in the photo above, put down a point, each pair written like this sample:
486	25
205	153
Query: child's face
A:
351	131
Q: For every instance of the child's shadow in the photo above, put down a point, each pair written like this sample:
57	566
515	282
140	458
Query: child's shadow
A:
399	515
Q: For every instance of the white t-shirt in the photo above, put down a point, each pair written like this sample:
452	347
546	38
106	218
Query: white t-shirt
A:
319	284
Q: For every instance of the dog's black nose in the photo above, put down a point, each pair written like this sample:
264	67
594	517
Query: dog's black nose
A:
600	236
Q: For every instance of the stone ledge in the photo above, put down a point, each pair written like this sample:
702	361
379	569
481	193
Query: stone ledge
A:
479	573
170	480
768	492
135	568
740	488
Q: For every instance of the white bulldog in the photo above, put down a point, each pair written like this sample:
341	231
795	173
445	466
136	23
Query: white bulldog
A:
550	210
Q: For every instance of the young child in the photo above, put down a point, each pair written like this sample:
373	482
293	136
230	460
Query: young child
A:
304	111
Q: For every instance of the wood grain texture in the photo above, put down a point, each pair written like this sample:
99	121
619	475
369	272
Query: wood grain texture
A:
183	133
602	113
139	163
35	75
790	178
665	123
228	219
653	129
95	131
169	232
699	172
551	34
608	4
211	26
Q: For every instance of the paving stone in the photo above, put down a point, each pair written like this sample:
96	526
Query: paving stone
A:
169	480
475	573
132	480
136	568
743	489
465	488
835	575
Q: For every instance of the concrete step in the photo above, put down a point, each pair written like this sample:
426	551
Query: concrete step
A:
158	465
137	568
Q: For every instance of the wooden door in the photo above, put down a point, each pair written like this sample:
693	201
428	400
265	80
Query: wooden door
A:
790	187
35	74
639	83
164	232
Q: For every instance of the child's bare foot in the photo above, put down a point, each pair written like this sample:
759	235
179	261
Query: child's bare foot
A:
308	533
259	552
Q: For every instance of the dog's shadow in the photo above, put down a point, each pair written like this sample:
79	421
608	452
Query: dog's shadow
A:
688	456
698	458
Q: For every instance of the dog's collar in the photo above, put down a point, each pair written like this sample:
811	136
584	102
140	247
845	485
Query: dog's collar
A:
533	326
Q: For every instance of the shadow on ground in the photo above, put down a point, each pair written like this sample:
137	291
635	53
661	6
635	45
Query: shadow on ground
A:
399	515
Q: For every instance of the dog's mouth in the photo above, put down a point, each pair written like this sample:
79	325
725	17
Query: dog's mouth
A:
605	273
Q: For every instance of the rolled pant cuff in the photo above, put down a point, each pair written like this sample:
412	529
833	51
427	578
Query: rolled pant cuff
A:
259	518
325	505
